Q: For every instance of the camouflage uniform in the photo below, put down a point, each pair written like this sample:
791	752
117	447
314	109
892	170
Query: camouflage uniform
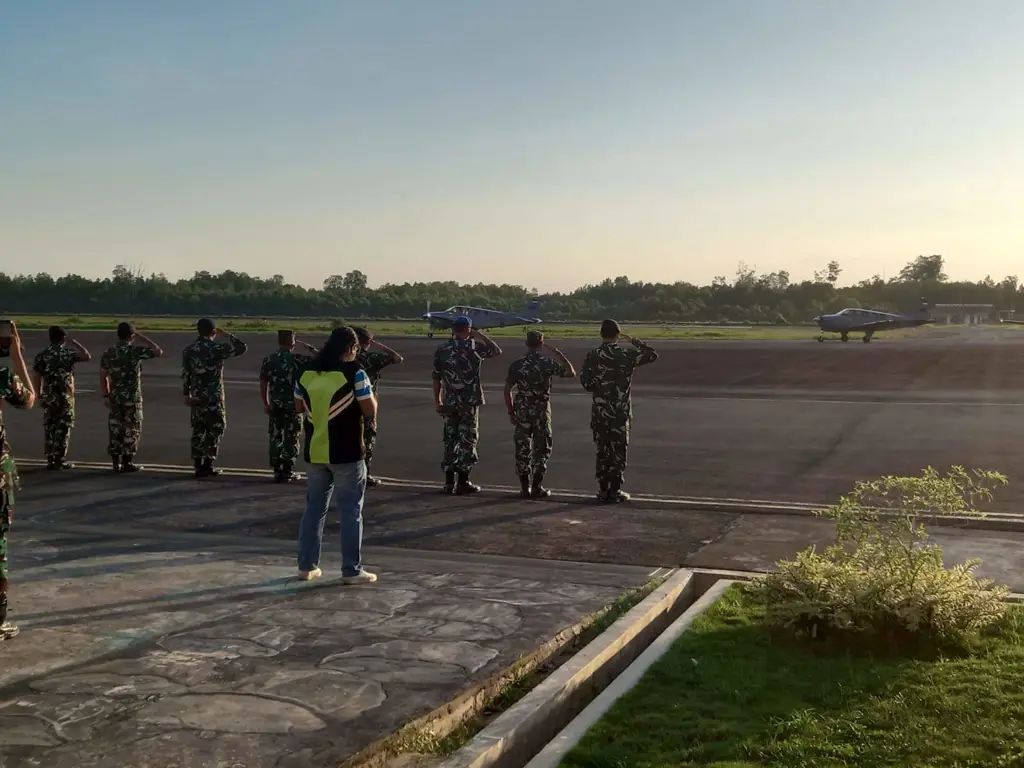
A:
457	367
608	374
55	366
123	364
12	390
202	374
530	378
373	362
279	370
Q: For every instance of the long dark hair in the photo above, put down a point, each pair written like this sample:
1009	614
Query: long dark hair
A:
329	359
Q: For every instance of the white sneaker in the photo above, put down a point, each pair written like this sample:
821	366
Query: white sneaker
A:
364	577
316	573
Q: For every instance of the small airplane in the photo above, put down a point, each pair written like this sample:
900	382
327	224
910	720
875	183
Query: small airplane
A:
870	321
481	317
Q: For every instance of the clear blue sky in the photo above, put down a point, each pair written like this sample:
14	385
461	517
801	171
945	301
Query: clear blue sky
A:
542	142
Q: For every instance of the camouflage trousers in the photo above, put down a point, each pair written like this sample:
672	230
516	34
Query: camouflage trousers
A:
612	442
461	435
58	419
6	507
124	427
208	425
285	428
532	439
370	439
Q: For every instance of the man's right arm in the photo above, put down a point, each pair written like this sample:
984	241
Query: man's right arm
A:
645	354
436	376
364	396
147	348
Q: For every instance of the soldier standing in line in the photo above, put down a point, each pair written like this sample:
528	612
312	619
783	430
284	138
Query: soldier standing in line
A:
373	361
202	374
15	389
121	385
54	380
278	374
458	396
528	399
608	374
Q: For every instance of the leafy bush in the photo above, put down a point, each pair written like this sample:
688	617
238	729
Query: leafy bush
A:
882	576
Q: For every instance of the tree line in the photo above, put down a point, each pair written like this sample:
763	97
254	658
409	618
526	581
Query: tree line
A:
749	296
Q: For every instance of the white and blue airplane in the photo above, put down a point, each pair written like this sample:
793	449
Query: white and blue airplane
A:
481	317
870	321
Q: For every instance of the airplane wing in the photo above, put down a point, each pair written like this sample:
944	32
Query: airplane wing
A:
890	325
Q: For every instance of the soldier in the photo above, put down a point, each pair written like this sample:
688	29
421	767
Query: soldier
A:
277	388
15	389
373	362
608	374
53	376
458	396
121	385
202	374
528	399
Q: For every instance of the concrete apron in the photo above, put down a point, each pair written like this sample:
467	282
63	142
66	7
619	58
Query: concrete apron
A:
178	653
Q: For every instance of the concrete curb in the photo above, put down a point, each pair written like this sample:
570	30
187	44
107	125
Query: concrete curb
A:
992	521
570	736
519	732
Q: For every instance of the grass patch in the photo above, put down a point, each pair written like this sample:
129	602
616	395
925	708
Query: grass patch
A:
729	695
522	680
412	328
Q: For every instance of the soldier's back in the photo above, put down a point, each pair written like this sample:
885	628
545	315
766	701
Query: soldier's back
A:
55	366
280	369
123	363
458	365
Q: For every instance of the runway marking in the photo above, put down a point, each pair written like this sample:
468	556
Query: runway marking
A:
711	503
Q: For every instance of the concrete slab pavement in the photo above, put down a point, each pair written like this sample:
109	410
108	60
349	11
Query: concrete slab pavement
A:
194	651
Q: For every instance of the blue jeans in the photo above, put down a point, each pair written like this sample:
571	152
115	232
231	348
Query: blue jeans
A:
349	480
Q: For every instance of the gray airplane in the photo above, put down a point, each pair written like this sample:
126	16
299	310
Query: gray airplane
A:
481	317
870	321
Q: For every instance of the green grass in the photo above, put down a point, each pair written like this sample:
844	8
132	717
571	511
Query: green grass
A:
322	326
729	696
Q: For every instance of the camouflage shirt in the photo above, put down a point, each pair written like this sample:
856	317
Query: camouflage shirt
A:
373	362
457	367
13	391
608	374
279	370
202	369
123	364
530	378
56	368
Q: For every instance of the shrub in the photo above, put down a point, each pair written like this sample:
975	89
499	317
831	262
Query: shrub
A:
882	576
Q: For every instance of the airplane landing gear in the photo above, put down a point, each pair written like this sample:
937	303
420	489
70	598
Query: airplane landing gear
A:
821	337
844	337
867	338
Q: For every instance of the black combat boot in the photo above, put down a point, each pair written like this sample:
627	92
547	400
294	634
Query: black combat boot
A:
128	465
209	469
116	462
602	493
449	481
287	475
539	491
465	487
200	468
7	630
371	481
615	493
524	483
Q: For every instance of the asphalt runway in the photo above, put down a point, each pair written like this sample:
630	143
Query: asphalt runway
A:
783	421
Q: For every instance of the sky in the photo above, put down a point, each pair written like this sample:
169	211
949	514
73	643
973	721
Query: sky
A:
546	143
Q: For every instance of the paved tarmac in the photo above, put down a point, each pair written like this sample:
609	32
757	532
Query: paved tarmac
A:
767	421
